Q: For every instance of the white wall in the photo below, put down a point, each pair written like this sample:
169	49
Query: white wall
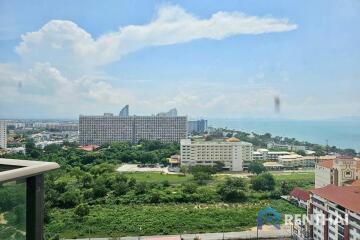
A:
322	176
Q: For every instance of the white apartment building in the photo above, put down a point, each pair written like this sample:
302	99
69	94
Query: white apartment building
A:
286	147
295	160
232	152
264	154
333	201
99	130
340	171
3	135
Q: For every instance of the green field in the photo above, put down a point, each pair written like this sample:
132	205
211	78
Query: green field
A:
127	220
299	176
303	179
158	177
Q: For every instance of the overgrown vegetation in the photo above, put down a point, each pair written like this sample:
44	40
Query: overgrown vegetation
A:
125	220
87	193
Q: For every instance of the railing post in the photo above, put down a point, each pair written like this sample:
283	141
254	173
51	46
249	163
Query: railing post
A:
35	207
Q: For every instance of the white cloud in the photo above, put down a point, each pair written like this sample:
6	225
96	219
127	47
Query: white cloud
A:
44	87
52	80
65	43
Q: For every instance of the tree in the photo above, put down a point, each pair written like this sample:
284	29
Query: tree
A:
219	166
285	188
31	150
87	180
301	152
232	190
263	182
165	183
70	198
256	167
184	169
82	210
99	189
209	138
189	188
140	188
202	177
349	152
120	188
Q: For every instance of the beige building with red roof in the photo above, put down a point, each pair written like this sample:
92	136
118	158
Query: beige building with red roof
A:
333	201
339	171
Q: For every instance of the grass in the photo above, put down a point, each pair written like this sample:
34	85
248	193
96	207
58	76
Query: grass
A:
301	179
110	220
158	177
305	176
127	220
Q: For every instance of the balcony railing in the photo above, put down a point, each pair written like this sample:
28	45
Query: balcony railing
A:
22	198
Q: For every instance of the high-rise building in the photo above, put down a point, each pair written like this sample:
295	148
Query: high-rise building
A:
197	126
171	113
231	152
3	136
109	128
124	111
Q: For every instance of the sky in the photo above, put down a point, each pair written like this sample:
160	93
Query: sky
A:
215	59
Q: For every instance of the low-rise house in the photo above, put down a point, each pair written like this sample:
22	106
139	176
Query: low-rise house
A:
174	161
295	160
264	154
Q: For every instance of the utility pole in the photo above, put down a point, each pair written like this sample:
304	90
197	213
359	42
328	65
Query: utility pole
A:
327	147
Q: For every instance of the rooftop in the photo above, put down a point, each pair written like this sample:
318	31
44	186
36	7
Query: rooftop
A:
89	148
202	141
272	164
233	139
326	163
329	163
347	196
300	194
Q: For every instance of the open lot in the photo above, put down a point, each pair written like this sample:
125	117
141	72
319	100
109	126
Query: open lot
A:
159	177
121	220
136	168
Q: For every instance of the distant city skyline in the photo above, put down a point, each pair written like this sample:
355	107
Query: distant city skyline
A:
232	59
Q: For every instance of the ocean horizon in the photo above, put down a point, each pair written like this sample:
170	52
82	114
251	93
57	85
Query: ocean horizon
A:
342	133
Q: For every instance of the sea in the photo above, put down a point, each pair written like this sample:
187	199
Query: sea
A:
342	133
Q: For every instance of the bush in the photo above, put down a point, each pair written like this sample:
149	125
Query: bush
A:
263	182
82	210
232	190
189	188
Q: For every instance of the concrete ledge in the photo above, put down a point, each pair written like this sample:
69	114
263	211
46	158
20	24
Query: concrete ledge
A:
24	169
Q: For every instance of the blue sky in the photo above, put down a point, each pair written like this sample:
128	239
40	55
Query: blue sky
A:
206	58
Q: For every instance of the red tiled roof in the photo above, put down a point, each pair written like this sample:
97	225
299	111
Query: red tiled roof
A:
355	183
89	147
300	194
327	163
347	196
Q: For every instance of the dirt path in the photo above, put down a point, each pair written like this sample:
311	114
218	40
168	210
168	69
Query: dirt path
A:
2	219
